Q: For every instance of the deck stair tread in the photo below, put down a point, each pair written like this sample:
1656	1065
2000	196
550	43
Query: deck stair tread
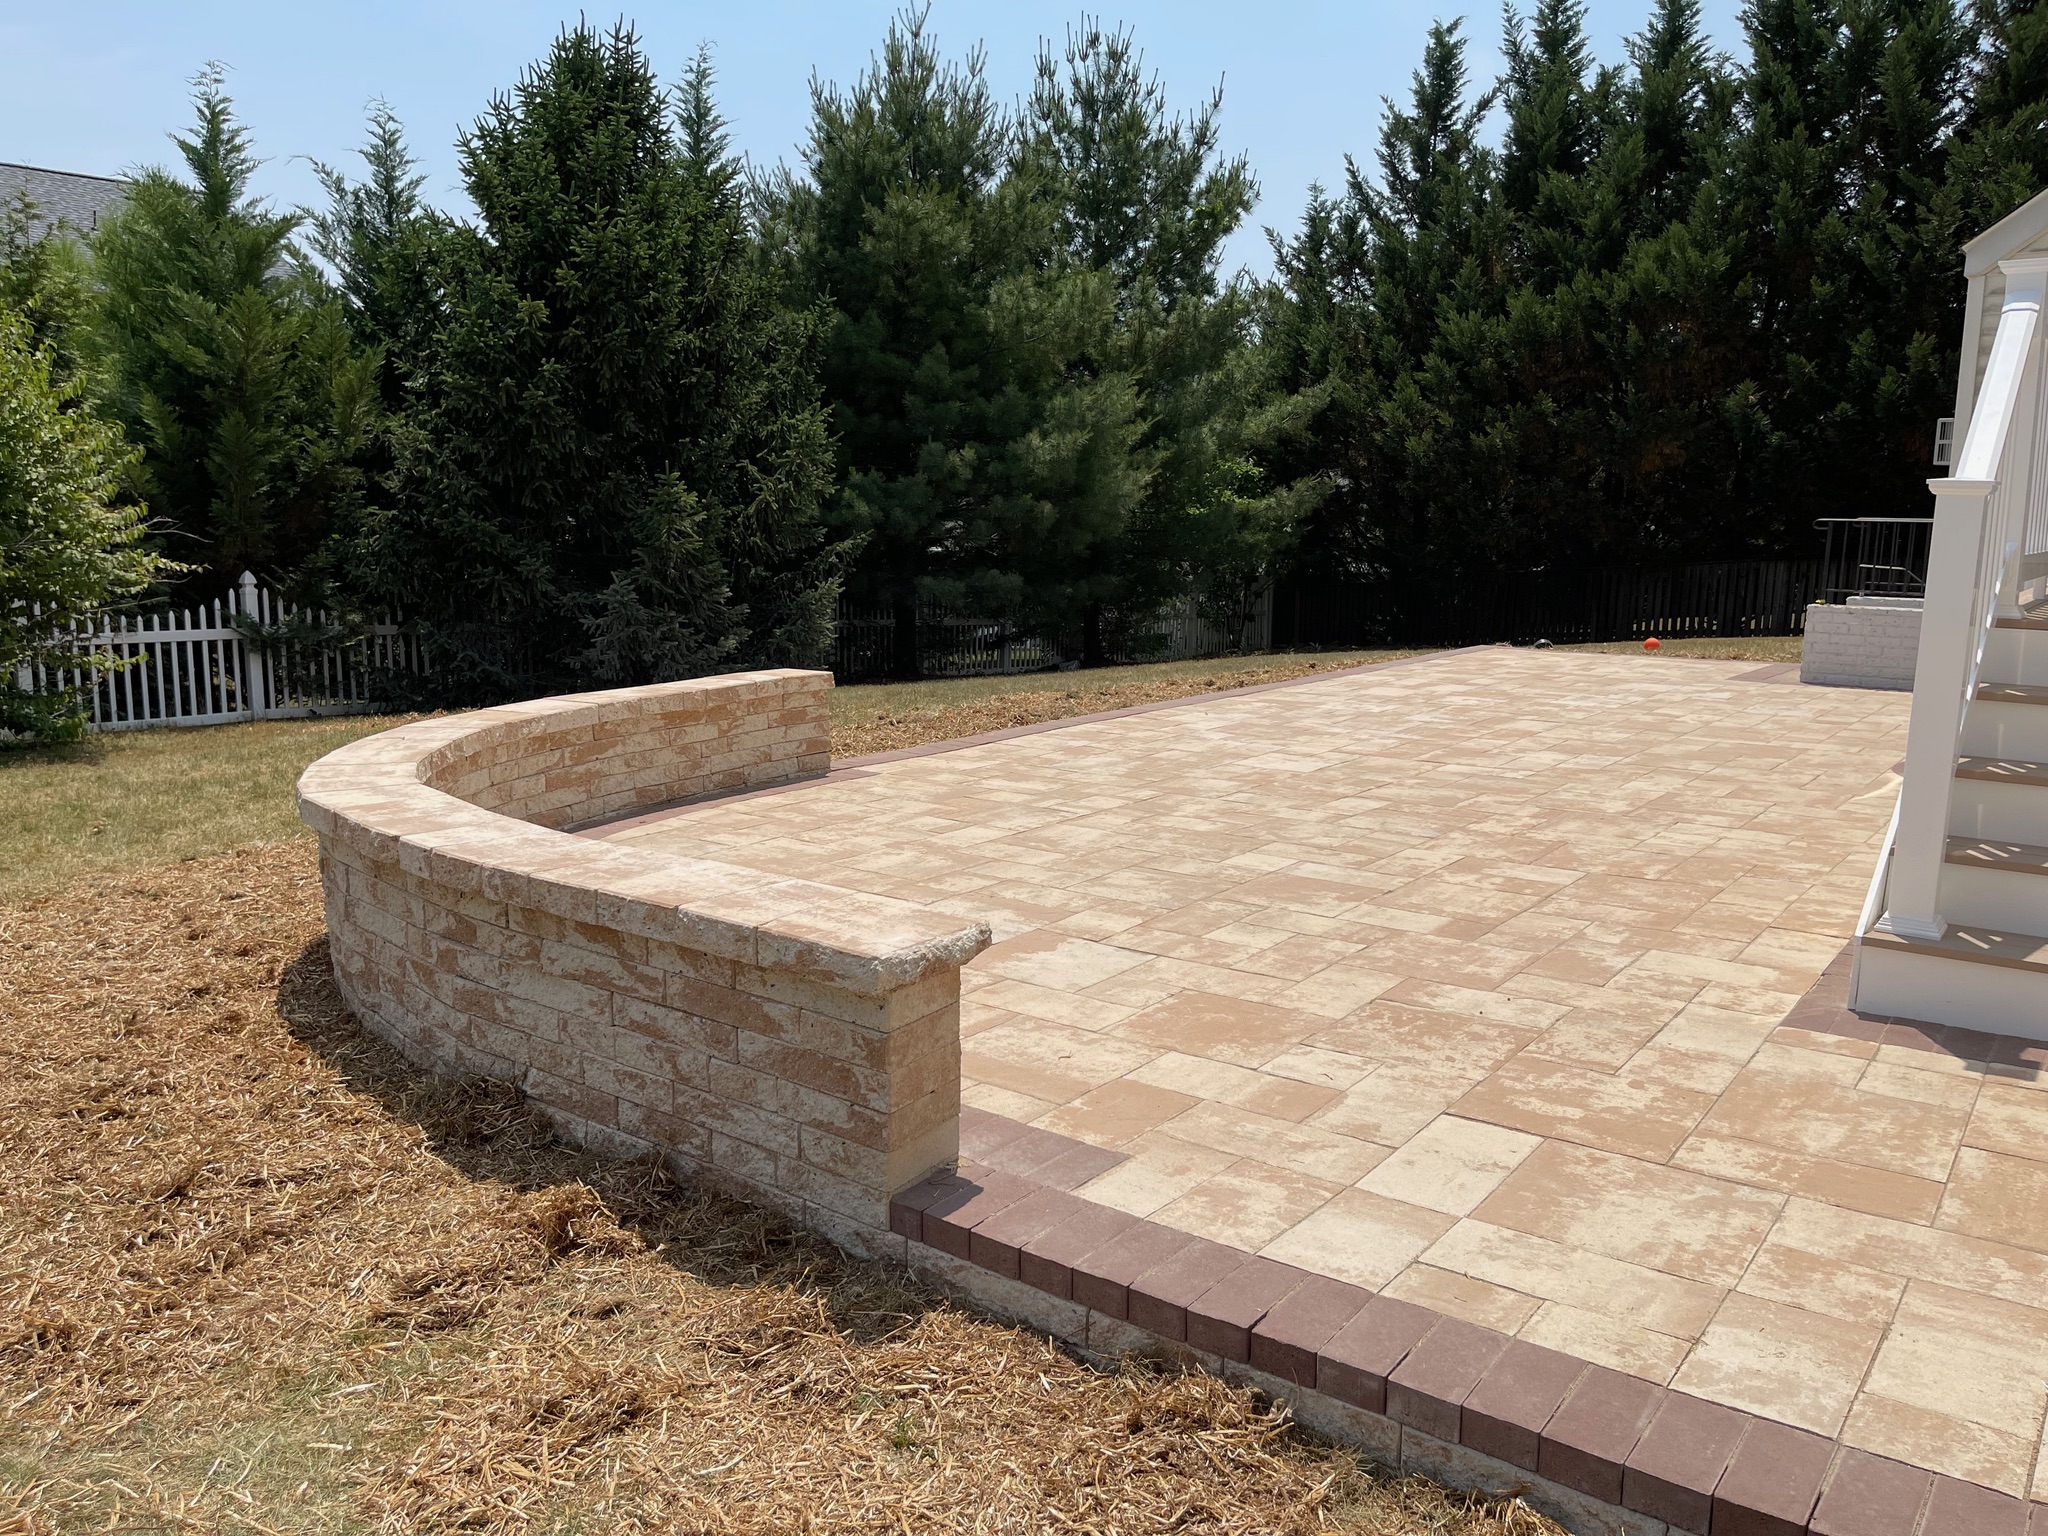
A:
2012	693
1989	853
1984	946
2009	623
2002	770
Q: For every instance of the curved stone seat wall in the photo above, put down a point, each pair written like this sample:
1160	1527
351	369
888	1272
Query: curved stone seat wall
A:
797	1040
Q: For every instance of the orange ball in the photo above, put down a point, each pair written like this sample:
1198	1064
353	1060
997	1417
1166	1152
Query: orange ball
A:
1653	644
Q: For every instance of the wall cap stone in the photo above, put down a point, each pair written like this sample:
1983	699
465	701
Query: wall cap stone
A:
382	796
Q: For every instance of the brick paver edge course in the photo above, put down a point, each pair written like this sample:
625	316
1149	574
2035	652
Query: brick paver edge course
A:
1406	1384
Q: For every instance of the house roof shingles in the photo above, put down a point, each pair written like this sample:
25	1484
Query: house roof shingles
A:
61	197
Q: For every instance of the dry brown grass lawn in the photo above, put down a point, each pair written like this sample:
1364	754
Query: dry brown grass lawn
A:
1757	648
263	1277
884	717
151	797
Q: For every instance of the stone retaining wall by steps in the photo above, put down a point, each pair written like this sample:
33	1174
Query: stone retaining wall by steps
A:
797	1041
1864	643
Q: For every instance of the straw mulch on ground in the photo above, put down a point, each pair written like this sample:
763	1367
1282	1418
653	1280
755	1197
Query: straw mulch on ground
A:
895	729
261	1276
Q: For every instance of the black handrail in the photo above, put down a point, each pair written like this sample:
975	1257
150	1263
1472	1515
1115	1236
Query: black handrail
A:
1874	556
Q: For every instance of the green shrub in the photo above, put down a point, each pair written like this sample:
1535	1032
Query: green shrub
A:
66	547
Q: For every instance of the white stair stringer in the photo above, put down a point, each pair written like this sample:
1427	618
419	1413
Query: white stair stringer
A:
1989	971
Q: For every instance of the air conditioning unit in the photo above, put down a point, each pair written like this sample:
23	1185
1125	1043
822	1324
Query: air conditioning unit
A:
1944	442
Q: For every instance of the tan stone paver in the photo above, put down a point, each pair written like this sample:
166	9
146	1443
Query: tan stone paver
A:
1463	980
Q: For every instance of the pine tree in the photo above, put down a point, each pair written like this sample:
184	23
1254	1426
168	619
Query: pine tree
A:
611	466
983	460
46	280
1146	198
229	361
381	240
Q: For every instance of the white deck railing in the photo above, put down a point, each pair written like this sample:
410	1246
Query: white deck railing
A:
1980	529
213	665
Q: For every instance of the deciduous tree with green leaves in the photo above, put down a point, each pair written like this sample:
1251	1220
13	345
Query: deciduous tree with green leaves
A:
69	545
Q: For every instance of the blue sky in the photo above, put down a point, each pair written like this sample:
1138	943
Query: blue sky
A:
96	86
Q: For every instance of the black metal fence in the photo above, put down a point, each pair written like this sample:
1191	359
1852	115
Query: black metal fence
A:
1875	556
1717	600
1566	607
949	644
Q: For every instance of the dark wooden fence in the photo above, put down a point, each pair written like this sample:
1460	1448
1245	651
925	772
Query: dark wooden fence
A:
1565	607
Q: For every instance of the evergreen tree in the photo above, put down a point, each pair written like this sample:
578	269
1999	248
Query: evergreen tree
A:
381	240
611	461
1139	193
1380	284
986	456
1681	312
229	362
1854	289
1147	199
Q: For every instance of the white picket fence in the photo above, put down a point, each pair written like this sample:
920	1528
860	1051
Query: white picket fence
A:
1189	634
193	666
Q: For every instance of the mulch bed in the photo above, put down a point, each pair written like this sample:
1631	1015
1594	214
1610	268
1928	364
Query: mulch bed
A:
263	1276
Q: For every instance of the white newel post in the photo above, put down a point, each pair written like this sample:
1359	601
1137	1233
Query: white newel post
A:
1967	558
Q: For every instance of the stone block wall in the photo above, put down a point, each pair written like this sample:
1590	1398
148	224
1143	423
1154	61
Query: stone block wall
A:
794	1040
1864	643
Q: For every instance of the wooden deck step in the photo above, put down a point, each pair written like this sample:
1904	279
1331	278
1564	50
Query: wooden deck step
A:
2011	693
2019	623
2002	770
1980	946
1985	853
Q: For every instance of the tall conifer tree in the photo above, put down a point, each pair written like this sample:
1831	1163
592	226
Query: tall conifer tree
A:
612	467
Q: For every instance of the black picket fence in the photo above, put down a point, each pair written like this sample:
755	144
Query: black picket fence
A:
949	644
1566	607
954	644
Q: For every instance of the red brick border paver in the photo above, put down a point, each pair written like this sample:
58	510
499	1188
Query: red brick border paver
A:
1871	1496
1963	1509
1354	1365
1673	1471
1102	1278
1222	1318
1160	1296
1701	1468
1046	1262
997	1244
1587	1443
1284	1342
1505	1414
1774	1482
1427	1390
948	1223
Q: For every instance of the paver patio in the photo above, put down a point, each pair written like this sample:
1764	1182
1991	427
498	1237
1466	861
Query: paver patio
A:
1466	980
